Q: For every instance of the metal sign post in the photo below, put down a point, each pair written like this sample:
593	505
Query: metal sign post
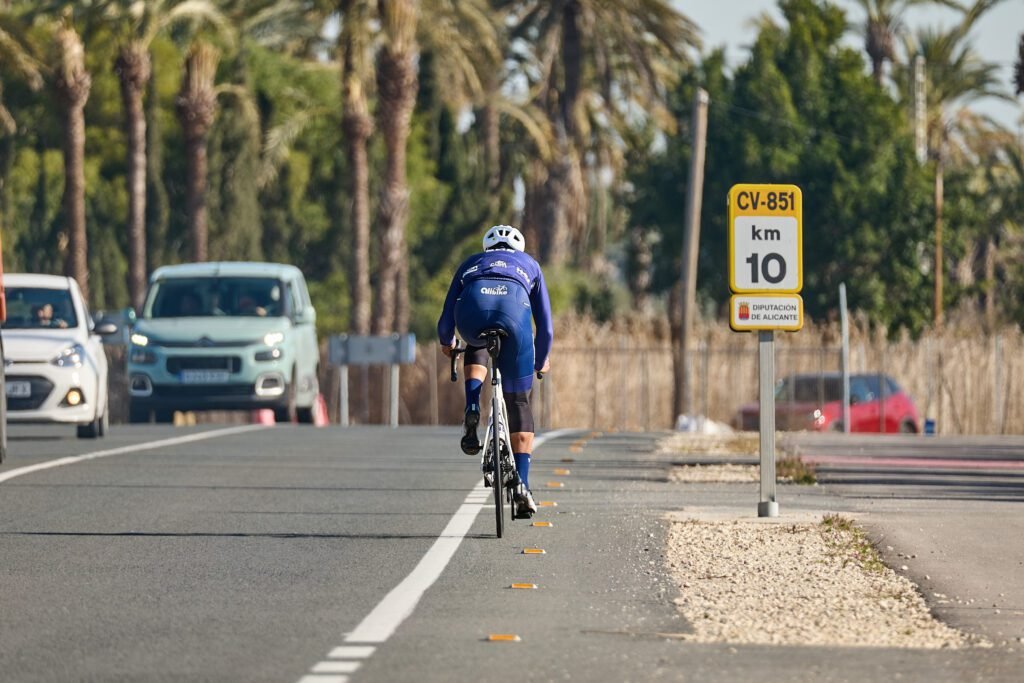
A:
397	349
766	275
767	507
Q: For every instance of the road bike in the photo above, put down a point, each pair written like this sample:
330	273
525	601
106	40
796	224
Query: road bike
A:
498	463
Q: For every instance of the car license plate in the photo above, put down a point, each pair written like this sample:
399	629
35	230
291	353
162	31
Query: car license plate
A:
205	376
19	389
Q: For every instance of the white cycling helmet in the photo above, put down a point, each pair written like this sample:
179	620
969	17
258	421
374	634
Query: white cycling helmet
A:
504	234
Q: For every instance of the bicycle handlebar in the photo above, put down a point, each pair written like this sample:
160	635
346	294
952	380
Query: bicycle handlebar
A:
454	357
455	369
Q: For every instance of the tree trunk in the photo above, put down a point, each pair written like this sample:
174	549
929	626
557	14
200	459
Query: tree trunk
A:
158	210
357	127
990	284
396	82
133	71
73	84
197	108
939	267
492	145
564	196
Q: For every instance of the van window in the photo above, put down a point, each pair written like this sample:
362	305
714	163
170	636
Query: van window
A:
216	296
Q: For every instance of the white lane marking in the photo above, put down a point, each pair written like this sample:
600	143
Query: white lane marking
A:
339	667
388	615
397	605
138	448
315	678
351	652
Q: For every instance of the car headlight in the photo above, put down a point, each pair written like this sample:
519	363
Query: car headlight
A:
71	357
273	338
139	339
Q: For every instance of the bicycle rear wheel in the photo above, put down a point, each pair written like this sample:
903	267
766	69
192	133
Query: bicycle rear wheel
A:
499	483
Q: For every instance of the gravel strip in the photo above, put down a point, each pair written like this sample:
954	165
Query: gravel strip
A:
741	443
714	474
795	584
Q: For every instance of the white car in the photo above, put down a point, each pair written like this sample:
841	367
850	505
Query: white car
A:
54	364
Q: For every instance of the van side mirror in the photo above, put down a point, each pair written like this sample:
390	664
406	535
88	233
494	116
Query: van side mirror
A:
306	317
106	329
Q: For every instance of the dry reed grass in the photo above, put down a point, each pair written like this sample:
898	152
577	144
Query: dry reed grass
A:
618	376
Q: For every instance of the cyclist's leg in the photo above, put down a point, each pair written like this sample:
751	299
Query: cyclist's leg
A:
516	361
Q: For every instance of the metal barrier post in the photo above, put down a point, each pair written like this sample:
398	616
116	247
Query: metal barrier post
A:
394	395
343	395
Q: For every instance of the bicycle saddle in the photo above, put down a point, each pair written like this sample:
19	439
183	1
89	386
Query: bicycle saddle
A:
491	334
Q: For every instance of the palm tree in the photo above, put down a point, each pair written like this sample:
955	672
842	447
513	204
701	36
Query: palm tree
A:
1019	69
957	77
16	54
397	83
460	34
353	48
883	26
142	22
593	56
73	82
197	107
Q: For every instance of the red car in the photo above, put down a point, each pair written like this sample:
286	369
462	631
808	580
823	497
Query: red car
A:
814	402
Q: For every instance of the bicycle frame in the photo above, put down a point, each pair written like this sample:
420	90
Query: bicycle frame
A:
497	452
498	448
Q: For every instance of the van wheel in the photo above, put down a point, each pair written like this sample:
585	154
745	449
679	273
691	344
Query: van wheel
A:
908	428
307	416
288	413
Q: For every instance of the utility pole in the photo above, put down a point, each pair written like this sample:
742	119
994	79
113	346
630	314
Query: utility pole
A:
920	110
691	243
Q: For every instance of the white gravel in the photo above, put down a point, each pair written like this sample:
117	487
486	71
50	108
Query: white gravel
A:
759	582
713	474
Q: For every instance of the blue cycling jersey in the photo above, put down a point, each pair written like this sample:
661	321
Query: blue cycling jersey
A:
505	264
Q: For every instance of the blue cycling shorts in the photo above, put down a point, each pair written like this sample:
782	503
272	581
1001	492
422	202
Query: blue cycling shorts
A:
495	303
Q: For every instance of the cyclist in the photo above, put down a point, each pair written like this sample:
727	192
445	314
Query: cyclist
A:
501	288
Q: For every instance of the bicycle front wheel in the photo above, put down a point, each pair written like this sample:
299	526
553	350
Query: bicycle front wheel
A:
499	483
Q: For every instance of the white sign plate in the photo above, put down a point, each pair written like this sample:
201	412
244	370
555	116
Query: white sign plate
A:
750	312
765	239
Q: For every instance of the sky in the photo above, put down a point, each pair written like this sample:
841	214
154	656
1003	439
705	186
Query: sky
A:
995	36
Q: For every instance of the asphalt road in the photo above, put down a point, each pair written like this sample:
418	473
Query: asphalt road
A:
289	553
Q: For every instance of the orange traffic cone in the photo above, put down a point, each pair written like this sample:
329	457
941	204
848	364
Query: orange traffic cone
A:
264	416
320	418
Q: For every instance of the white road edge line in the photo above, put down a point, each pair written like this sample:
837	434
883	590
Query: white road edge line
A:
137	448
381	623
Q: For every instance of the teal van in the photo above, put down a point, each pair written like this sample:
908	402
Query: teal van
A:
224	336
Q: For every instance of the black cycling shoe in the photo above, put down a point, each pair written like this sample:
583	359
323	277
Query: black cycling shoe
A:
470	442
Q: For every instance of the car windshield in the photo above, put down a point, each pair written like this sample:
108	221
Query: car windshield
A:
39	308
216	296
810	389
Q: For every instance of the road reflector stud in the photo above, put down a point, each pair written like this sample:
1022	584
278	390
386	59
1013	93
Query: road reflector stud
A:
534	551
503	638
556	485
542	524
524	586
562	472
547	504
568	459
